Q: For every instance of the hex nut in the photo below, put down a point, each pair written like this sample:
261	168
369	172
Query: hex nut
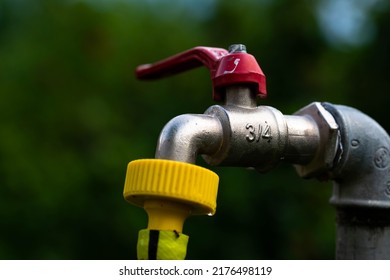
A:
329	142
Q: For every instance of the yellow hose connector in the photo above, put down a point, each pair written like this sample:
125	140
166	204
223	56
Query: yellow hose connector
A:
169	191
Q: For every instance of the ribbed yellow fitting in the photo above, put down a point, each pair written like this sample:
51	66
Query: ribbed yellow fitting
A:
170	191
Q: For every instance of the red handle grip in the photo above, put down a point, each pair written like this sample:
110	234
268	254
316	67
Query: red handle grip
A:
226	68
184	61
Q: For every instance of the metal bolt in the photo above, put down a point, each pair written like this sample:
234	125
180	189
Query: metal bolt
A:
237	48
329	145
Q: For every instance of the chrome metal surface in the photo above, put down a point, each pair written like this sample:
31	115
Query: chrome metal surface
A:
237	48
186	136
240	133
328	144
303	139
241	96
253	137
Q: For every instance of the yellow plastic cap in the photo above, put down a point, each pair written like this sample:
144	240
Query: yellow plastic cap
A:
187	184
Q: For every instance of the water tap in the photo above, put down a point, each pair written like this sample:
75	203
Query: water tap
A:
236	132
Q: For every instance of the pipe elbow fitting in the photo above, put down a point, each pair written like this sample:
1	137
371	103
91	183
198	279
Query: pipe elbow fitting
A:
186	136
362	173
361	186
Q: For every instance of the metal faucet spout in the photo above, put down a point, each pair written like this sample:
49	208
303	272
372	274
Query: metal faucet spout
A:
186	136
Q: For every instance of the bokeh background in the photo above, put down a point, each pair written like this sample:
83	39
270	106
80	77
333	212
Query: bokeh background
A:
72	115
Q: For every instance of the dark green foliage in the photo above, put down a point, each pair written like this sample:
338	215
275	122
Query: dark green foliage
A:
72	115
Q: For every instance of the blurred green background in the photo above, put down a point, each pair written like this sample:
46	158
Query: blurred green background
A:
72	115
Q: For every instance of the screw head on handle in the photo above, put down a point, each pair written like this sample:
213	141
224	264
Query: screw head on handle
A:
237	48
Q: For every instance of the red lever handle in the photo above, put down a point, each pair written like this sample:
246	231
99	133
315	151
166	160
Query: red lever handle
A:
181	62
226	68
